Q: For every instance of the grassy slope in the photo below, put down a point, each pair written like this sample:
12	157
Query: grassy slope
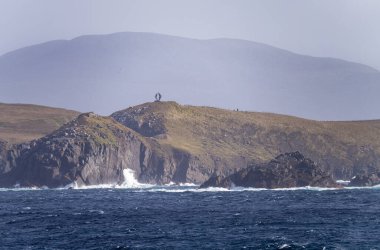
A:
23	122
261	136
211	134
100	129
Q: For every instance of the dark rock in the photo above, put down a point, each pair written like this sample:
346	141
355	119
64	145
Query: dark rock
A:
142	120
93	150
364	180
217	181
9	155
285	171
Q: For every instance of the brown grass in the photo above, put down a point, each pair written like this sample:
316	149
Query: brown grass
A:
259	136
23	122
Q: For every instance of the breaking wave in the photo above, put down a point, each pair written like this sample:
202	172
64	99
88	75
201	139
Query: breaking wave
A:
344	182
180	188
132	184
130	181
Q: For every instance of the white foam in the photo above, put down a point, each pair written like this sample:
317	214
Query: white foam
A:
187	184
100	186
130	181
179	189
19	189
96	211
283	246
371	187
170	184
181	184
344	182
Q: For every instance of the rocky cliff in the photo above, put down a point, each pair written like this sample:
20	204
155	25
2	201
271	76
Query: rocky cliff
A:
285	171
166	142
92	150
88	150
225	141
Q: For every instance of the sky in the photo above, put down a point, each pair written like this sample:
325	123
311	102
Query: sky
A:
346	29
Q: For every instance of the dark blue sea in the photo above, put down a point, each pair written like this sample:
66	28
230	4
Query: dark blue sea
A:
184	218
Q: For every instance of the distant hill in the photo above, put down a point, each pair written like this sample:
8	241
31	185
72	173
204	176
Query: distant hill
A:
103	73
23	122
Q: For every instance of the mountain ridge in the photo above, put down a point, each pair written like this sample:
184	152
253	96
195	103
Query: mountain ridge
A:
196	39
126	68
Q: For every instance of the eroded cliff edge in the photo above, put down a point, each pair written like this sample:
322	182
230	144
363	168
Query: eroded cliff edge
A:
90	150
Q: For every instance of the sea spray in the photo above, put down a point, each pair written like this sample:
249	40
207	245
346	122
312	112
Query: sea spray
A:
130	180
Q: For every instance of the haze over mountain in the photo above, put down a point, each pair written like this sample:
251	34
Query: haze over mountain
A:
104	73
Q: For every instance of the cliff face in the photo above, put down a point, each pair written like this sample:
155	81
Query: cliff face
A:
89	150
165	142
93	150
8	156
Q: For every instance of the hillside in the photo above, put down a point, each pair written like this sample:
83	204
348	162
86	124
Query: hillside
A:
165	142
126	68
227	140
23	122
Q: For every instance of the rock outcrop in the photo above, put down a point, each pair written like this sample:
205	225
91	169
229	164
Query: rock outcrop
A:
365	180
285	171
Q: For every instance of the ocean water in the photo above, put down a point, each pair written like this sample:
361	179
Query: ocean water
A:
183	217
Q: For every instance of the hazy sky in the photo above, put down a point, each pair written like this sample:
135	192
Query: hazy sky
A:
347	29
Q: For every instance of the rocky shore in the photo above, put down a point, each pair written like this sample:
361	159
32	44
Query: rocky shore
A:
285	171
365	180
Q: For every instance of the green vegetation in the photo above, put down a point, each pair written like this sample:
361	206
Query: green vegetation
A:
21	122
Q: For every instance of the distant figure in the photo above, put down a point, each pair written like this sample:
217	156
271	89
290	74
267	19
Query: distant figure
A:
158	97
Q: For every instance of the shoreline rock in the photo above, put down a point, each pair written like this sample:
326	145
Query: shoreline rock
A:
365	180
285	171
